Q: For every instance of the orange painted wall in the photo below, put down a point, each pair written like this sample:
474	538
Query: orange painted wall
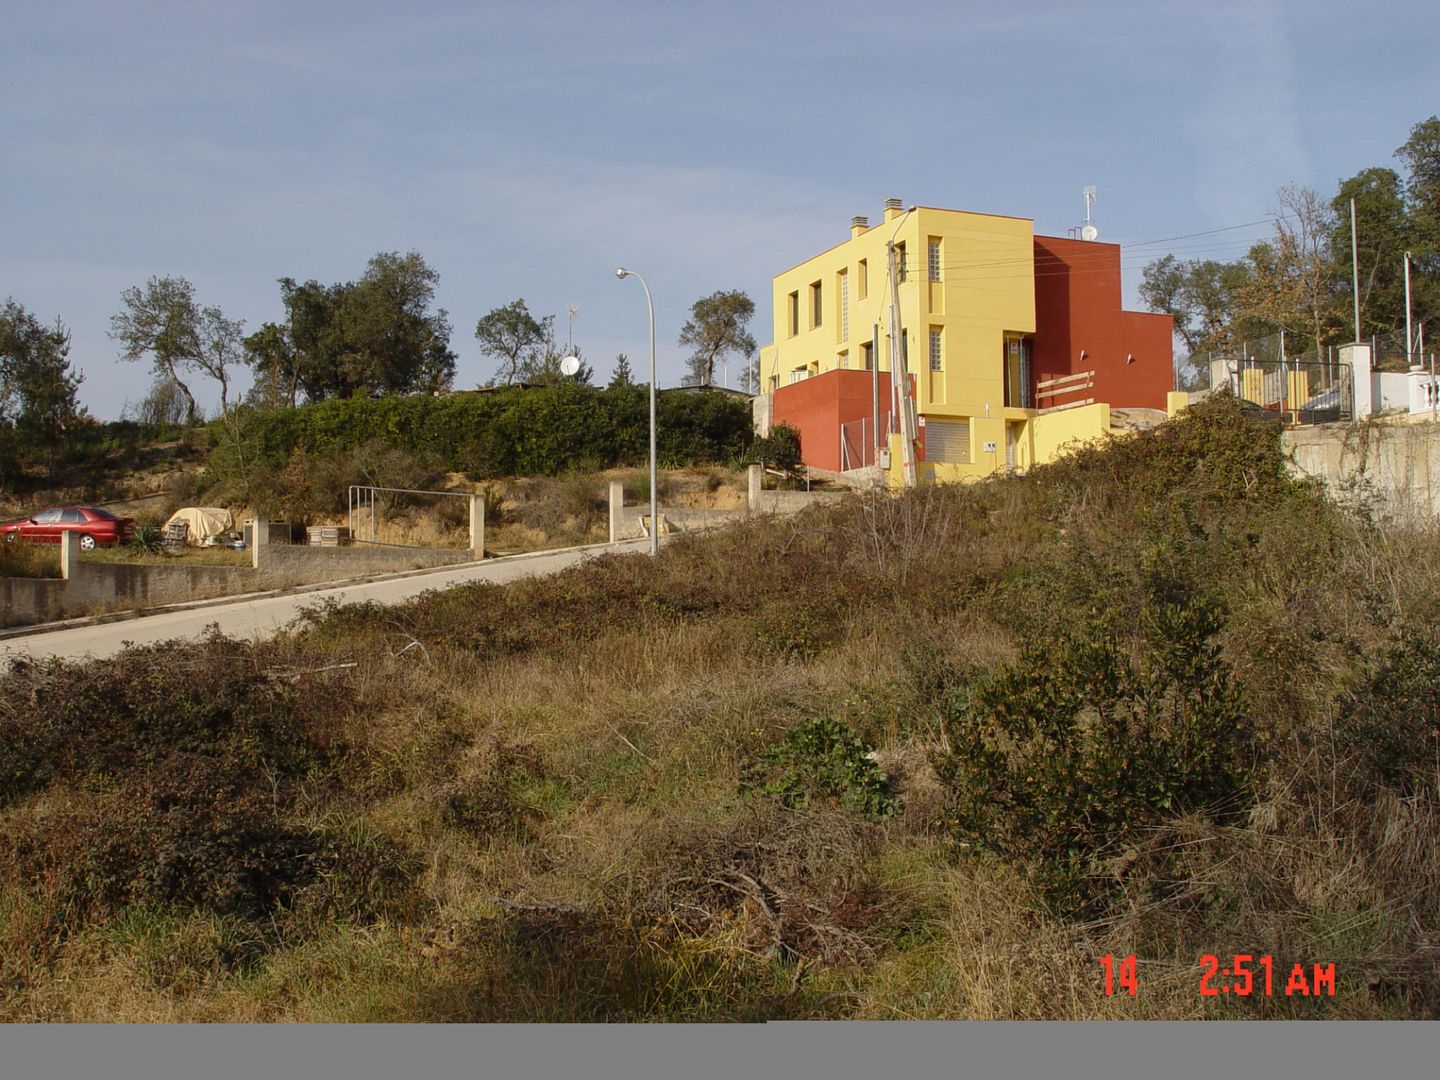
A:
1078	307
816	407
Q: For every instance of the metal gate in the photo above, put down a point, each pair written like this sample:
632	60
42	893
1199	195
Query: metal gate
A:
363	505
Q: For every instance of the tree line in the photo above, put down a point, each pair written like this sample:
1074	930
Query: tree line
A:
1301	279
376	336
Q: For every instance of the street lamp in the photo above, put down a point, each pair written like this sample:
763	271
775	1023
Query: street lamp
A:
654	480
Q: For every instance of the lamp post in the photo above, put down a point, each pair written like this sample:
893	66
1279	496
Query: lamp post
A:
654	498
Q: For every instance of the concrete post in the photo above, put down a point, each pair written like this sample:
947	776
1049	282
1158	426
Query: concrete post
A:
1358	357
617	505
477	526
756	479
69	553
259	538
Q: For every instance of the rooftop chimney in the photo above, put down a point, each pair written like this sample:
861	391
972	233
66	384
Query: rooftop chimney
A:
858	225
893	209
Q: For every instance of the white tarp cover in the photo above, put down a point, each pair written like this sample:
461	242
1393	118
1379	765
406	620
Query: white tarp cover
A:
204	522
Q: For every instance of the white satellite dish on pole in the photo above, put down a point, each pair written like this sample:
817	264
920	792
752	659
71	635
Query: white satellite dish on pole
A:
570	365
1088	231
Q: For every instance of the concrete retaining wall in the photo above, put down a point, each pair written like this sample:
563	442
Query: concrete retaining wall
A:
1394	467
92	588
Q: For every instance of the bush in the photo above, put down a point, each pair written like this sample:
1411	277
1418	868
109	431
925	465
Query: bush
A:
778	450
1062	755
542	431
822	760
1392	720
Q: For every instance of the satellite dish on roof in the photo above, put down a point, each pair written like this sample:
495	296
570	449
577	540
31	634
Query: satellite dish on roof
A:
1089	232
569	365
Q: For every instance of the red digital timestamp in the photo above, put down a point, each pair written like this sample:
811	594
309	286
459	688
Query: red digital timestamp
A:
1243	975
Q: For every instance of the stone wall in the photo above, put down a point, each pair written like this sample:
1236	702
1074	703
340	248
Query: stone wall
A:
1393	467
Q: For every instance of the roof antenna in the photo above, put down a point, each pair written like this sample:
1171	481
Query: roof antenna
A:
1088	231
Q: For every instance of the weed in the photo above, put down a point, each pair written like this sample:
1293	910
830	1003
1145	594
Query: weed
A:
822	760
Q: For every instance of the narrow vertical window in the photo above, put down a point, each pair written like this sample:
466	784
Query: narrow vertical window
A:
935	349
794	313
844	305
862	282
934	259
815	308
900	260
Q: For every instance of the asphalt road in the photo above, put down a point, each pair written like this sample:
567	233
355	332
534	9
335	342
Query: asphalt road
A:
262	616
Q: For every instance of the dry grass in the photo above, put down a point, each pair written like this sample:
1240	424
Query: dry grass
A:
562	765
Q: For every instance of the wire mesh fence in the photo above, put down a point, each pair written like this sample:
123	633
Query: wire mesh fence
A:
858	441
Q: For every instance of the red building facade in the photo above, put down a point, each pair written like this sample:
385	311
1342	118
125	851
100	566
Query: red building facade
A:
1080	326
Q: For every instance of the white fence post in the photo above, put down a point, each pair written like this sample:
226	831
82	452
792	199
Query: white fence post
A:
617	505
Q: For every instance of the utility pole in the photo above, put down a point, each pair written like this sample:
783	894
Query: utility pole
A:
900	374
875	387
1355	270
1409	341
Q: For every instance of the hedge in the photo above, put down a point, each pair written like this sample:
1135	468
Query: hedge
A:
514	431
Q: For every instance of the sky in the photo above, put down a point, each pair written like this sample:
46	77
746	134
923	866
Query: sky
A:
526	150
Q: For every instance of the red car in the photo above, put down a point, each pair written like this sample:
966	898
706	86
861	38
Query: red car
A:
94	525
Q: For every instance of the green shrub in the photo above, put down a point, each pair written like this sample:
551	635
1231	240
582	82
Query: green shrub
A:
1391	721
778	450
1062	755
822	760
538	431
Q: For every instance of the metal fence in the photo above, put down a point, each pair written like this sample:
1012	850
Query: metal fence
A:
1305	391
367	506
857	441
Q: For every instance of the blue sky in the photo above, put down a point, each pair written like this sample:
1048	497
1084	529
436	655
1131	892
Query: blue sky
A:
526	150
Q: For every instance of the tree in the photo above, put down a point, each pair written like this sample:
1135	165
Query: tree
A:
1382	236
369	337
397	346
164	320
513	337
717	327
1200	296
542	368
38	404
162	406
1421	157
621	375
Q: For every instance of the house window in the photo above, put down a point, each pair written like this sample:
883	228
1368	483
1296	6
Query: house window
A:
1018	388
867	356
934	259
815	306
842	358
844	291
935	348
794	313
862	279
900	261
799	375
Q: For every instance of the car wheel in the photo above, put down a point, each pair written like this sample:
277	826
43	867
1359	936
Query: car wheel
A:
87	542
10	537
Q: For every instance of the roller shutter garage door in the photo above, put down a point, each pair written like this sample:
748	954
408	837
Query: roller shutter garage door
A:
947	441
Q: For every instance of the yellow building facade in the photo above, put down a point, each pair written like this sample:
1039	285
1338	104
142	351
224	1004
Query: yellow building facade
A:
965	285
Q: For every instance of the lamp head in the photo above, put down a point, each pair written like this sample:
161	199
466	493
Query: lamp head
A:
622	272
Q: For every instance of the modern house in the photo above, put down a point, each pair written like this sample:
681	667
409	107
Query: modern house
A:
1013	345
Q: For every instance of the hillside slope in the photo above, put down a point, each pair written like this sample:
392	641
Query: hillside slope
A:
922	757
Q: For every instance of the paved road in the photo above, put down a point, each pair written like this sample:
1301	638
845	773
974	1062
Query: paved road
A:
261	616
